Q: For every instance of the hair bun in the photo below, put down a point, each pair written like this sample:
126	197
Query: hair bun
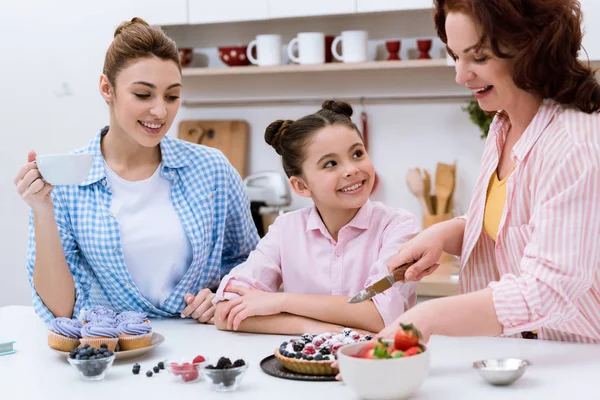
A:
338	107
274	133
125	25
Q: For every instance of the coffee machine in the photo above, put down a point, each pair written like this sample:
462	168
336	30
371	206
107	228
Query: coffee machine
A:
269	194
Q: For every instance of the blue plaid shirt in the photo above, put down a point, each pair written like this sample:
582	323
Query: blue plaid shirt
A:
209	197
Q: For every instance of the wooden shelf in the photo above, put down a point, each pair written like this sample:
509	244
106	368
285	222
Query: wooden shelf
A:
329	67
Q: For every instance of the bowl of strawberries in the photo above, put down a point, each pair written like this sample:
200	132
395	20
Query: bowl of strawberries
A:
185	370
386	369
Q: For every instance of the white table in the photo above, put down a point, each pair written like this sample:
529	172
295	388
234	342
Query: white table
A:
559	371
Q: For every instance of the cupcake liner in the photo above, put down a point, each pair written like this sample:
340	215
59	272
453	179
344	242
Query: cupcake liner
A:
95	342
60	342
133	342
305	366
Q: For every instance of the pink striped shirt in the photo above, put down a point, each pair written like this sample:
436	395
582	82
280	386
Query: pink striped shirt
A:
299	252
544	268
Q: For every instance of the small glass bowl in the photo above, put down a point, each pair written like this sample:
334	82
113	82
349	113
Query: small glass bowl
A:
184	371
92	370
224	380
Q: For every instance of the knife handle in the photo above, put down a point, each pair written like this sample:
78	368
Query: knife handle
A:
401	270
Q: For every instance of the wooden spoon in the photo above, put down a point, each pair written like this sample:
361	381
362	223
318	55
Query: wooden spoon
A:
416	186
444	186
427	191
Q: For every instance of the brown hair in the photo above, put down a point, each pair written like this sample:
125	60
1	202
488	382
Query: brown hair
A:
289	138
543	38
136	39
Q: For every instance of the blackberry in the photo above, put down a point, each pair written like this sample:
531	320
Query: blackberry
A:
298	346
156	370
368	337
148	374
223	363
308	338
238	363
346	331
324	351
210	367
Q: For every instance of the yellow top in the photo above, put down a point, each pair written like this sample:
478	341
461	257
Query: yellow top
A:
494	204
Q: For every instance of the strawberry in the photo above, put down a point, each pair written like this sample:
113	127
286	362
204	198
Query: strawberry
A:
189	376
407	336
198	360
397	354
367	349
413	351
380	351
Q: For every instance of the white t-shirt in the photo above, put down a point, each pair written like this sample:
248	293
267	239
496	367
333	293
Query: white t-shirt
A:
155	246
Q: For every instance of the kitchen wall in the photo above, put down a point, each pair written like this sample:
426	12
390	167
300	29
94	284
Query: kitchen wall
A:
52	56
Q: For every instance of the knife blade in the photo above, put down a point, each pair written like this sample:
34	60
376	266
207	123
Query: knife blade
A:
381	285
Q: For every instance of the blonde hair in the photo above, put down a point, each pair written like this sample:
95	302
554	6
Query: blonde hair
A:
136	39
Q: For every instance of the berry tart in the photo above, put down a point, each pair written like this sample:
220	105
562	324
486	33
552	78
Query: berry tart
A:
312	354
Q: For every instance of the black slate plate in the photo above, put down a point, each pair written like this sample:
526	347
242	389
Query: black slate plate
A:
273	367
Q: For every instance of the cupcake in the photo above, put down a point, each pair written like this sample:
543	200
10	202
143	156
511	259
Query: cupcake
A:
134	334
131	316
96	333
97	313
64	334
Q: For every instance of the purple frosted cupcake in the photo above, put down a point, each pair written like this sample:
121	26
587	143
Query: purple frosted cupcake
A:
100	313
96	333
64	334
134	334
131	316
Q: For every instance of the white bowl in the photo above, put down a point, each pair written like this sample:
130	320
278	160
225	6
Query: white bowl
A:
64	169
394	378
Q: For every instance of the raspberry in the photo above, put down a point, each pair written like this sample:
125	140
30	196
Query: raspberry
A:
189	376
318	341
187	367
310	349
355	335
335	348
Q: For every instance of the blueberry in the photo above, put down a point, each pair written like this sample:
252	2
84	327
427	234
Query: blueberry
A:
368	337
290	355
78	356
325	351
148	374
86	346
161	365
136	365
298	355
104	346
284	344
156	369
318	356
110	353
309	358
135	371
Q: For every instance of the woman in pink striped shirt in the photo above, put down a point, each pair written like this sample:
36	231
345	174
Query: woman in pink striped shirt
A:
530	241
323	254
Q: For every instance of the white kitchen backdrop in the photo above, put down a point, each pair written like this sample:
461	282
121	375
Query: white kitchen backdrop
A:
52	55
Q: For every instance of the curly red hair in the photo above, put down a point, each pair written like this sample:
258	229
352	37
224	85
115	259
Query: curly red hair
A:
544	38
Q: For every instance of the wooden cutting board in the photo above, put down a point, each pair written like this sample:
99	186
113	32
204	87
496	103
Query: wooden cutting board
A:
229	136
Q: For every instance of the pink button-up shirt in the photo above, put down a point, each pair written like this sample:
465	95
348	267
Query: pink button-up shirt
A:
544	268
299	253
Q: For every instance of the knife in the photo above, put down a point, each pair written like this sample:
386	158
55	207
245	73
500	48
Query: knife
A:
381	285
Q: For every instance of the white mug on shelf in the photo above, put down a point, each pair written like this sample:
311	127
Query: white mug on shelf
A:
354	46
311	48
268	50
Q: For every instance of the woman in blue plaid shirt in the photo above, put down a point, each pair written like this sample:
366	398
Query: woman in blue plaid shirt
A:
157	222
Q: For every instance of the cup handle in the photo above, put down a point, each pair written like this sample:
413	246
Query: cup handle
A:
249	53
334	51
290	50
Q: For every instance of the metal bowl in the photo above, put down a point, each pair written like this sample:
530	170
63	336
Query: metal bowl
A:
501	371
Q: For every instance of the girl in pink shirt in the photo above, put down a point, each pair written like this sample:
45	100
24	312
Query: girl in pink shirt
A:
323	254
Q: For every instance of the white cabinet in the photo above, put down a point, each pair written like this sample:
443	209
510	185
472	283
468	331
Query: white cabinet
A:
307	8
591	28
210	11
392	5
155	12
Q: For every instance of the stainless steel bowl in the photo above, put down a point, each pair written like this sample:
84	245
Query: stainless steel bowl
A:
501	371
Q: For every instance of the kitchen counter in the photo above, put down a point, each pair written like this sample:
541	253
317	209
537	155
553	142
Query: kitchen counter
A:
559	370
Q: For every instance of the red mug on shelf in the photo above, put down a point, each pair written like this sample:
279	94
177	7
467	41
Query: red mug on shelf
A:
185	56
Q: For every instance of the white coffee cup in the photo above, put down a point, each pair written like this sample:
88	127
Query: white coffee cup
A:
268	50
311	48
354	46
64	169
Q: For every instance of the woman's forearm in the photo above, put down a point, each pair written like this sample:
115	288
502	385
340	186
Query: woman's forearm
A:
335	310
452	232
280	324
52	278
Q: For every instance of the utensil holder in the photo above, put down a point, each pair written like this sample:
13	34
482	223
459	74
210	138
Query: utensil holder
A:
429	220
